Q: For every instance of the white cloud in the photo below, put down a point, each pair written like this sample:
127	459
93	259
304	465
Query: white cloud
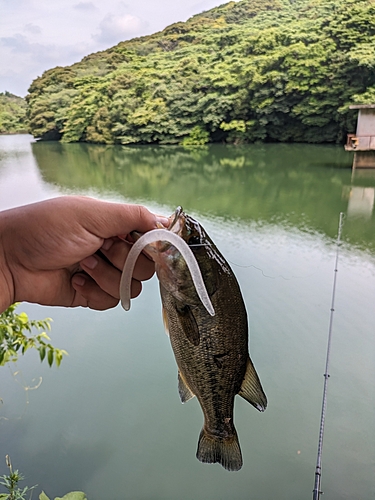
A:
116	28
47	53
32	28
39	35
85	6
22	61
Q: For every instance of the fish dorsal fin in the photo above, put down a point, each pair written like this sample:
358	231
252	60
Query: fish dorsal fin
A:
251	388
165	321
188	324
183	390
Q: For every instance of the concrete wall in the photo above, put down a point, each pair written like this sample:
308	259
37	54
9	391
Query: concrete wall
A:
366	122
365	143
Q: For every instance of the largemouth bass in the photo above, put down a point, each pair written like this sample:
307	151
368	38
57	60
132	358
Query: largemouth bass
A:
211	351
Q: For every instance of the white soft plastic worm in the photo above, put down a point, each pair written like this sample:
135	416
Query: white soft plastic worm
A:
182	247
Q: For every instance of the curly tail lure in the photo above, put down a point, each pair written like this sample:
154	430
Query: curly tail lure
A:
182	247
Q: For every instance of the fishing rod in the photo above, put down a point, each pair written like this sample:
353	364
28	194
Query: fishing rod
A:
318	470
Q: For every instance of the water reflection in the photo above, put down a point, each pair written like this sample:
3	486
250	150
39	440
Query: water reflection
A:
21	181
361	202
365	176
296	185
112	411
361	193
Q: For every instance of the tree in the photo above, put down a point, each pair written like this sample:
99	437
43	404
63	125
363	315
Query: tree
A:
12	114
245	71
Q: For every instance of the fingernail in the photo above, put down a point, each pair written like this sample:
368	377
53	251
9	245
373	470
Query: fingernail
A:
78	279
107	244
162	220
90	262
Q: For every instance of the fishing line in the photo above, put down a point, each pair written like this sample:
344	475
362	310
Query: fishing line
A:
251	265
293	277
263	273
318	470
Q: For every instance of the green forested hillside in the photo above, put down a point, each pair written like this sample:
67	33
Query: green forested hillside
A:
279	70
12	114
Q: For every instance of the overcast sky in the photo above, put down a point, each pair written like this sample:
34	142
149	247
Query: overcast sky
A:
36	35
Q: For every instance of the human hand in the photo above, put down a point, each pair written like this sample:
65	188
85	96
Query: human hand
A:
48	252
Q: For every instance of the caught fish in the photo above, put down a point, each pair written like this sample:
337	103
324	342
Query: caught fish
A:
211	351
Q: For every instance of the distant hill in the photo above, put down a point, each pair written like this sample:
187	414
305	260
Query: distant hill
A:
275	70
12	114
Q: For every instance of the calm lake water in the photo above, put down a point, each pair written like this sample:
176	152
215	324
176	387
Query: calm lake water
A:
109	421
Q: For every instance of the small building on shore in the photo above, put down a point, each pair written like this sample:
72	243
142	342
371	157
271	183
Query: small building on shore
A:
363	141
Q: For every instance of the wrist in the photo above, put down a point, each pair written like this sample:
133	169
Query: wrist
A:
6	280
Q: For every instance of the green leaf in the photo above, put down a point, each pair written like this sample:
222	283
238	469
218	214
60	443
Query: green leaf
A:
23	317
43	496
44	336
73	495
50	357
42	352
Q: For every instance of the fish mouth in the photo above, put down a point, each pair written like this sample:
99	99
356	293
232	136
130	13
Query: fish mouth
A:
176	221
176	225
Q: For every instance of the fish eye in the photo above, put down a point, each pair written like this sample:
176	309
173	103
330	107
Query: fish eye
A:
194	240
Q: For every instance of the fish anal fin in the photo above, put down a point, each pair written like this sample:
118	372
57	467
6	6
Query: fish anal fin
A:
251	388
226	452
183	389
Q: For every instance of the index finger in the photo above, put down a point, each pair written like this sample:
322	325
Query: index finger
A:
107	219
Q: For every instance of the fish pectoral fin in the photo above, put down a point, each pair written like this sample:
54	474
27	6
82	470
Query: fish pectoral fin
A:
188	324
251	388
184	391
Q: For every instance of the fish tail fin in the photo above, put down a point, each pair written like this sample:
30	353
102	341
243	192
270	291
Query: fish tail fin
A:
226	452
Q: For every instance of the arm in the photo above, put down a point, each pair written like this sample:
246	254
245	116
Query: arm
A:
6	285
48	251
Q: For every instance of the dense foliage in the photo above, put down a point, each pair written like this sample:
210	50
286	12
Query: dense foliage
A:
12	114
279	70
